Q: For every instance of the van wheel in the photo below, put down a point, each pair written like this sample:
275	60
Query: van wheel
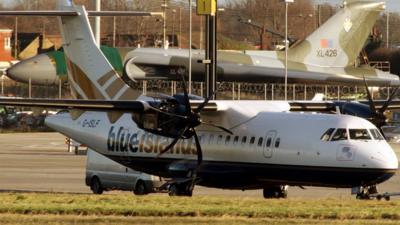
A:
96	187
140	188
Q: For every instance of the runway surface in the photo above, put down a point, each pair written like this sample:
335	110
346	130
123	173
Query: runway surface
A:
41	162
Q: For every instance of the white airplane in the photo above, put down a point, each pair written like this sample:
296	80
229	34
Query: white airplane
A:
256	145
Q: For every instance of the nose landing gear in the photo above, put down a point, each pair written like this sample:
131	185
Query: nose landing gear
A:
365	193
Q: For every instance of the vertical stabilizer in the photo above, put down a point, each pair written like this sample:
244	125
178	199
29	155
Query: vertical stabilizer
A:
338	42
90	74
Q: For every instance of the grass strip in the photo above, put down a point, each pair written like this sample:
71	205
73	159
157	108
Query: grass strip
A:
165	206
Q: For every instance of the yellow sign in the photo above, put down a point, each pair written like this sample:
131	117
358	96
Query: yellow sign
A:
206	7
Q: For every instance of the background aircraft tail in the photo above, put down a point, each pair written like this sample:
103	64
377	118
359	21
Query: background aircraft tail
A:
338	42
90	74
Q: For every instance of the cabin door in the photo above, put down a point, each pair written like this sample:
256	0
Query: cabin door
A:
268	144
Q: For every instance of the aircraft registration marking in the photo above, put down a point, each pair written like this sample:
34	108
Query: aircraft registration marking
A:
90	123
331	53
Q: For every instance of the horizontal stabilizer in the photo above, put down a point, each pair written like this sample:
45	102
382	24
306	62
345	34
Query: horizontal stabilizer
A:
74	13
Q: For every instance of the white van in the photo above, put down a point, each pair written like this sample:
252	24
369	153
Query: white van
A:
103	174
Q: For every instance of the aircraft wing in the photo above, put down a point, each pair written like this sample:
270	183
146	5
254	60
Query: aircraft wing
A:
395	104
74	13
90	105
324	106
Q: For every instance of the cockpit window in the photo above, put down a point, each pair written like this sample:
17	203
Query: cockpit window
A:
376	134
340	135
327	135
359	134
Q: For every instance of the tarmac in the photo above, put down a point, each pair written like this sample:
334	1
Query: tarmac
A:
40	162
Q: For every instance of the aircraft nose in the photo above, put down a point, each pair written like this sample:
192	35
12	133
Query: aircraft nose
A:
392	161
39	69
386	157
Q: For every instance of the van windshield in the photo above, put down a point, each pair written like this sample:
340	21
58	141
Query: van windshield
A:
359	134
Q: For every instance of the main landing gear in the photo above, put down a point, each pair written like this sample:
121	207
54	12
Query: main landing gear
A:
279	191
180	189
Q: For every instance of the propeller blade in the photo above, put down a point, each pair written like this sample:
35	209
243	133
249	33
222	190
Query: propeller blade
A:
173	143
202	105
185	92
198	148
387	103
219	127
371	102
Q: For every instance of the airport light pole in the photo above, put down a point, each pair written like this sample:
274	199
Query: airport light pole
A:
173	27
286	44
164	6
190	46
387	29
97	23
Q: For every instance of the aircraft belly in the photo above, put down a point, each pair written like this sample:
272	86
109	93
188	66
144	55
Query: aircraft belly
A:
240	175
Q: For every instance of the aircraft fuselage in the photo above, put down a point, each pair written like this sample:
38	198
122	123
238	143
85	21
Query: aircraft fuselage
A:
267	148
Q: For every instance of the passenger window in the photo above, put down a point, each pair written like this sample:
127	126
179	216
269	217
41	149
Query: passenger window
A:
376	134
340	135
211	138
277	142
252	140
327	135
359	134
227	139
268	144
235	140
219	140
244	139
260	141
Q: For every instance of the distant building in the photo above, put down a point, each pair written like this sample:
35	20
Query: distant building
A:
5	49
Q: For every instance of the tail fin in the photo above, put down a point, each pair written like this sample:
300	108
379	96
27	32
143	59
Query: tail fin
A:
90	74
338	42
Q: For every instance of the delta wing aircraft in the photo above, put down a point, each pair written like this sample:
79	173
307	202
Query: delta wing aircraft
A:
224	144
326	56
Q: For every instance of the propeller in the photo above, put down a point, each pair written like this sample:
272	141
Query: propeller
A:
378	116
190	120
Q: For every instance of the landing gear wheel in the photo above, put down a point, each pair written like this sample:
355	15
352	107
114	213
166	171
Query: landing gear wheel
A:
363	196
188	192
180	190
140	188
275	192
96	187
366	192
173	190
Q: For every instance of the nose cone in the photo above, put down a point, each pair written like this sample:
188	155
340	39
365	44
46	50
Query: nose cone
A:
40	69
392	162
